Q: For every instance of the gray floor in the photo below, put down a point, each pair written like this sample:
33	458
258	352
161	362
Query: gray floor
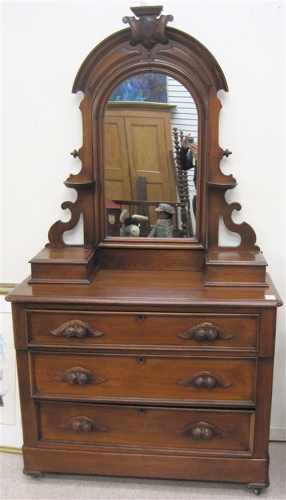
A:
15	485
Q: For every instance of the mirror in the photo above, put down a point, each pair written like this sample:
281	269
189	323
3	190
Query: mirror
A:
150	182
158	49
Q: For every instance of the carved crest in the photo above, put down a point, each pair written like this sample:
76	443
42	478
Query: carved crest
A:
148	29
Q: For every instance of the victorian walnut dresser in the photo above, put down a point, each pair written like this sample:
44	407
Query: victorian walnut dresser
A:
139	356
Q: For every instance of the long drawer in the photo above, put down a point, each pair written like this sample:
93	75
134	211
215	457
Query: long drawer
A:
147	329
160	378
147	427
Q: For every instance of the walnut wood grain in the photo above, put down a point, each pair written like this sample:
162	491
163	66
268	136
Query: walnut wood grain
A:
154	378
151	289
143	428
149	330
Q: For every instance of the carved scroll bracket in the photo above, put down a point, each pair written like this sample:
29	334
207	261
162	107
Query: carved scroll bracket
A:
58	228
246	232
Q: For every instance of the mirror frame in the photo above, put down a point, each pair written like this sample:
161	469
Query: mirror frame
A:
129	52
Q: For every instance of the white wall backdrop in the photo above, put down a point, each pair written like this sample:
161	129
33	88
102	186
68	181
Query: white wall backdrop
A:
43	46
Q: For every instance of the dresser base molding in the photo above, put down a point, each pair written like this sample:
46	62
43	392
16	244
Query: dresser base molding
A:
237	470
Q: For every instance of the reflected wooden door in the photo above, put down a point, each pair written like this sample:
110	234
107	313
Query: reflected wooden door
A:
149	157
117	173
138	144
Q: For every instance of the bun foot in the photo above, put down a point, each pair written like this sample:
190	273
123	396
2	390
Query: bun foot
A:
32	473
257	488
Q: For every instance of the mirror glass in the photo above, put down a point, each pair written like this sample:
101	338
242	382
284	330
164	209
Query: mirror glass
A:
150	181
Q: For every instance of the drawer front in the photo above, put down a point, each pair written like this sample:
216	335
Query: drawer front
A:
146	329
178	429
160	378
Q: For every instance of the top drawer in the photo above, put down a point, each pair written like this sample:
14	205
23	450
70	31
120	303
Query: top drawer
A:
76	328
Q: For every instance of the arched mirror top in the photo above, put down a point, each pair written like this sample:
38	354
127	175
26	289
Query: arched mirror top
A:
173	51
150	46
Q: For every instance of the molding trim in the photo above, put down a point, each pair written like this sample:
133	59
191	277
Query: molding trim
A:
10	449
277	434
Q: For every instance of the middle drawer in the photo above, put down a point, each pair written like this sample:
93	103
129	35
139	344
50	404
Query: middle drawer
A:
104	377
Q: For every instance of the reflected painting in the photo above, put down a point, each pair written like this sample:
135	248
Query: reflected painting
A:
150	182
146	87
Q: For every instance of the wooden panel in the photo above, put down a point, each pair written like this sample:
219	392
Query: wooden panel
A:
233	275
180	429
155	465
150	260
130	377
213	331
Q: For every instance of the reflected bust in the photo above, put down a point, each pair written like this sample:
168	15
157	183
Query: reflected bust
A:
150	136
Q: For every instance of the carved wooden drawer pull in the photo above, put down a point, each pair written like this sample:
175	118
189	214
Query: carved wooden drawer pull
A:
206	331
76	328
80	376
204	379
83	424
202	430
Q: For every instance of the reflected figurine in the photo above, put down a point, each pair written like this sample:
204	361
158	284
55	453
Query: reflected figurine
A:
164	227
130	224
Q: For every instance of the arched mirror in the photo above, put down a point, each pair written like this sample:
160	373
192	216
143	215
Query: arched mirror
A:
145	88
150	178
142	95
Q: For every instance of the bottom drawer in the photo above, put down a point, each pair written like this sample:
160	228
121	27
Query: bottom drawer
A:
184	430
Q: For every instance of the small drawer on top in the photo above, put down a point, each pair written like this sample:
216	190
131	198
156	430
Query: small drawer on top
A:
144	329
182	430
165	379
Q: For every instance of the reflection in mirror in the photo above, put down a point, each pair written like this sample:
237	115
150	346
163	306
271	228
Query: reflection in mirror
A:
150	170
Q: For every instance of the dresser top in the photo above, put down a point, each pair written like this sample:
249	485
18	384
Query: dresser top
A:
156	288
